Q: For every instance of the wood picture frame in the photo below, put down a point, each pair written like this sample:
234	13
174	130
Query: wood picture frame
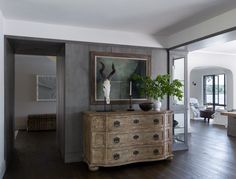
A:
126	65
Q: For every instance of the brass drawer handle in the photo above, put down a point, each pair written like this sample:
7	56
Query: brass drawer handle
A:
156	152
116	156
116	124
136	152
116	140
156	137
135	137
136	121
156	121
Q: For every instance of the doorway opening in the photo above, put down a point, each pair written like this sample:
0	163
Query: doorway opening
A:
34	98
208	84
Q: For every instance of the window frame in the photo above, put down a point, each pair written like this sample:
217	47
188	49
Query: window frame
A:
214	90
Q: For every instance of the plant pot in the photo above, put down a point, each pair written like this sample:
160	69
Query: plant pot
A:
146	106
157	105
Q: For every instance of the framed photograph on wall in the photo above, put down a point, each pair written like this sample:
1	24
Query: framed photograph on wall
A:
126	65
46	87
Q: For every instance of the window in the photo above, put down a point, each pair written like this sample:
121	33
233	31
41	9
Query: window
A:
214	90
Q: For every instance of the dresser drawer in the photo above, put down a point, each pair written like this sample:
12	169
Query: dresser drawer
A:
148	121
97	156
98	123
168	121
145	153
168	133
138	138
124	123
118	123
118	156
98	139
134	154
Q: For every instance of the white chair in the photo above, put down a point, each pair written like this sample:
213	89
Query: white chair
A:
195	108
220	119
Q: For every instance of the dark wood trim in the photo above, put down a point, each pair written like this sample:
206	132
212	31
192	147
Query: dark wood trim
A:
213	90
93	54
203	38
9	65
168	71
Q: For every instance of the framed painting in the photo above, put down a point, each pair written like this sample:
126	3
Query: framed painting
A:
126	65
46	87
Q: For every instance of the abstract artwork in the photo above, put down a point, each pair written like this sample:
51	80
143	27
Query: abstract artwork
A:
126	65
46	87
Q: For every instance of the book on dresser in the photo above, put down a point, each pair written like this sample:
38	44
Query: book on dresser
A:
123	137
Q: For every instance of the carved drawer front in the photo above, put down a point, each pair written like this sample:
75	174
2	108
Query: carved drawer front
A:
146	153
117	140
138	138
147	138
98	139
97	156
147	121
118	156
98	123
169	120
118	123
168	133
168	148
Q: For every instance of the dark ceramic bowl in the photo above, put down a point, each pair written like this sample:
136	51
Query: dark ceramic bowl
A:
146	106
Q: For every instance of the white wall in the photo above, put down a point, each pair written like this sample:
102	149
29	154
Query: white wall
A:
213	25
72	33
2	161
26	69
201	59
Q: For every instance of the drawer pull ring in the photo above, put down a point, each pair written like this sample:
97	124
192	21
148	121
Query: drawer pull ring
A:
156	121
136	137
116	140
156	152
136	121
116	156
156	137
136	152
117	124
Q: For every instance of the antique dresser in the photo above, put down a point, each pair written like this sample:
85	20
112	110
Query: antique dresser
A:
122	137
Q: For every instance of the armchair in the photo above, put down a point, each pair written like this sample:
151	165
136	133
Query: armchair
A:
195	108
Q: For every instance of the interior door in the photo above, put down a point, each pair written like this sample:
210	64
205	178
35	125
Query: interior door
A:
178	70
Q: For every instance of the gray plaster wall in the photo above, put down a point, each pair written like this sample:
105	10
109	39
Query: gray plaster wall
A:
196	75
77	87
26	69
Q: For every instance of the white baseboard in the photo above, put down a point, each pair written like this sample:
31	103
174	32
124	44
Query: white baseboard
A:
2	169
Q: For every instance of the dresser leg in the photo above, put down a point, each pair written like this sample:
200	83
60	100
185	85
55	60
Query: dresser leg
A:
93	168
170	158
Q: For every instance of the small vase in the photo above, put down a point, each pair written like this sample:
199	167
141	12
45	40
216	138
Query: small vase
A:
157	105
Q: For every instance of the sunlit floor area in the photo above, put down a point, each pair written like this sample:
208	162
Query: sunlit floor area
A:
211	154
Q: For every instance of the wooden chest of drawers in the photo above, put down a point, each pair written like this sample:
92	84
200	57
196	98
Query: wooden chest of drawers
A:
121	137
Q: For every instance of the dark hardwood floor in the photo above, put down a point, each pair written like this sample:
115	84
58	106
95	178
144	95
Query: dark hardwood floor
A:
211	155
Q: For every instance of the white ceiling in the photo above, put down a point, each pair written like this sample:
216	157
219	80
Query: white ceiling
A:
228	48
162	17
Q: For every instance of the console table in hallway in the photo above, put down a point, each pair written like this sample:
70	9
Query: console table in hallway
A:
231	130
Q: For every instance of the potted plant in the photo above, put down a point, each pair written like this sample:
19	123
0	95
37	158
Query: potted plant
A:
157	88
